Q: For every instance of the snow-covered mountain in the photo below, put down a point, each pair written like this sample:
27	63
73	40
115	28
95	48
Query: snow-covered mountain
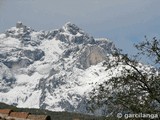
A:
52	70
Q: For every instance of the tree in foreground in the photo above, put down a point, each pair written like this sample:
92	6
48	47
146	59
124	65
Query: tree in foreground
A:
137	88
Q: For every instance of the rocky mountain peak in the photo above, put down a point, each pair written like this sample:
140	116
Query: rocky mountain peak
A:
72	34
71	28
20	25
21	32
50	69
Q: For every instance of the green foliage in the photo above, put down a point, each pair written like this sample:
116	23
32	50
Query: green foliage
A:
137	89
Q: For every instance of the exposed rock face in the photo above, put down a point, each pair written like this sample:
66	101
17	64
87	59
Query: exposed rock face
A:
34	55
96	55
106	44
72	29
21	63
7	79
52	70
92	55
22	58
70	33
20	25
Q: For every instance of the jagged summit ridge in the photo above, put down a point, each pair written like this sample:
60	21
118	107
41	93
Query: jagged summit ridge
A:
68	33
51	69
71	28
73	34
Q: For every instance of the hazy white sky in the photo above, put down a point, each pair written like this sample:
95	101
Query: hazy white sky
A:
123	21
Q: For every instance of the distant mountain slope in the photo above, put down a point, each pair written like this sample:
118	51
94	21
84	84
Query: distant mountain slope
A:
52	70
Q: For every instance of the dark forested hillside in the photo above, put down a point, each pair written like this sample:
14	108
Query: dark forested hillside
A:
53	115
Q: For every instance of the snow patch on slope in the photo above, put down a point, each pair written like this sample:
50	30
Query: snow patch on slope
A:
52	70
